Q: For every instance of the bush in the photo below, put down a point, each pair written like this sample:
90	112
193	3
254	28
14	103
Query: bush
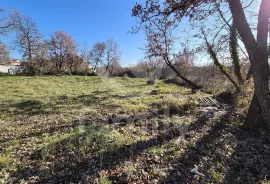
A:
32	71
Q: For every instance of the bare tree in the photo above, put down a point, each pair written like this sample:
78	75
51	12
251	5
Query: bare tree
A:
112	56
27	35
74	62
185	60
198	12
61	47
42	57
160	43
97	55
85	54
6	23
153	67
257	48
4	53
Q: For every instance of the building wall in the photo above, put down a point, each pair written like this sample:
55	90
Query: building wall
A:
7	68
4	69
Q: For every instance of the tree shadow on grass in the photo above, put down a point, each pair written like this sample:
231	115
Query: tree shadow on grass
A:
36	109
30	107
222	153
250	161
49	130
54	106
76	163
225	154
204	154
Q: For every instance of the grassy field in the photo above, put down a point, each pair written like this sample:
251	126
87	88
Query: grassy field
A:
50	125
73	129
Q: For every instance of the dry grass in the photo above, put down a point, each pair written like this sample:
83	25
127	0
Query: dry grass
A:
44	118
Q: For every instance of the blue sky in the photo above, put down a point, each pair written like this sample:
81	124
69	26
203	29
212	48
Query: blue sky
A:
87	21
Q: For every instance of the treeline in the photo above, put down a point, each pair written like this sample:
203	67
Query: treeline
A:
59	53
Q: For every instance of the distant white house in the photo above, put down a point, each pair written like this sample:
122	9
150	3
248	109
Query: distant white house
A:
4	69
13	66
14	62
9	69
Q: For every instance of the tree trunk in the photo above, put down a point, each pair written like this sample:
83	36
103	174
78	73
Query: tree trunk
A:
261	76
219	65
249	74
269	49
269	41
235	55
29	52
188	82
254	120
258	54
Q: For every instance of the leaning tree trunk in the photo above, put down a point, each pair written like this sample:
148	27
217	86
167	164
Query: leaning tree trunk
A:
235	54
213	55
187	81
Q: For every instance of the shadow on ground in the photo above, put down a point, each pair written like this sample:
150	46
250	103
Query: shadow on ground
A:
221	152
53	106
224	154
72	162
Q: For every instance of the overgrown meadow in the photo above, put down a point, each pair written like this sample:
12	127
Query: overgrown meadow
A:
51	124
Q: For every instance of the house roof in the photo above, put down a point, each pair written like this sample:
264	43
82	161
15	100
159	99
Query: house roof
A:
15	61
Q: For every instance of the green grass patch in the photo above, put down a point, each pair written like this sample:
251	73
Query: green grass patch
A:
50	120
4	160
